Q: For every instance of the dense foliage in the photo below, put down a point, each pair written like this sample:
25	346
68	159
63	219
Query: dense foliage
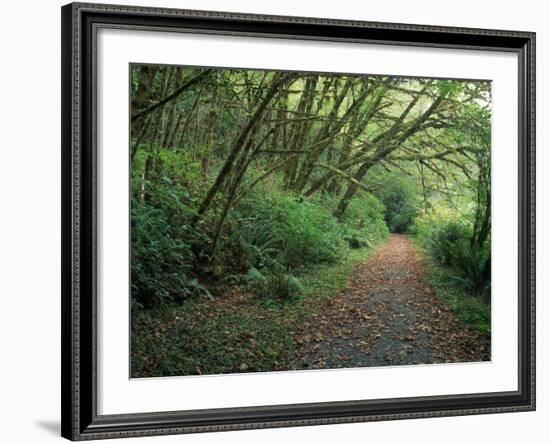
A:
399	194
267	238
451	244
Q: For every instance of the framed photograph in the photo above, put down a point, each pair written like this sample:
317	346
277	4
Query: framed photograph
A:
280	221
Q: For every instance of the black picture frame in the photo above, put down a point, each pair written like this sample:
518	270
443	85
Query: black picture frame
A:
80	420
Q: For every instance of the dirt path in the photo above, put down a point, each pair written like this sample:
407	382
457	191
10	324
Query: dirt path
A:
387	316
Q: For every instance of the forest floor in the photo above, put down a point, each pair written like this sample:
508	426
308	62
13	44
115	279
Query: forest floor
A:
387	315
376	308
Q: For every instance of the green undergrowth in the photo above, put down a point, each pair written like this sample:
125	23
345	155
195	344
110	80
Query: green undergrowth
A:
323	281
238	332
470	309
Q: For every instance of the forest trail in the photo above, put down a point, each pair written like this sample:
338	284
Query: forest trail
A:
387	315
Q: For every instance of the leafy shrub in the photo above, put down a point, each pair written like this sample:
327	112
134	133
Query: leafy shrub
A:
364	223
292	232
474	264
273	284
399	196
443	240
356	239
160	263
398	193
449	243
275	236
162	252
